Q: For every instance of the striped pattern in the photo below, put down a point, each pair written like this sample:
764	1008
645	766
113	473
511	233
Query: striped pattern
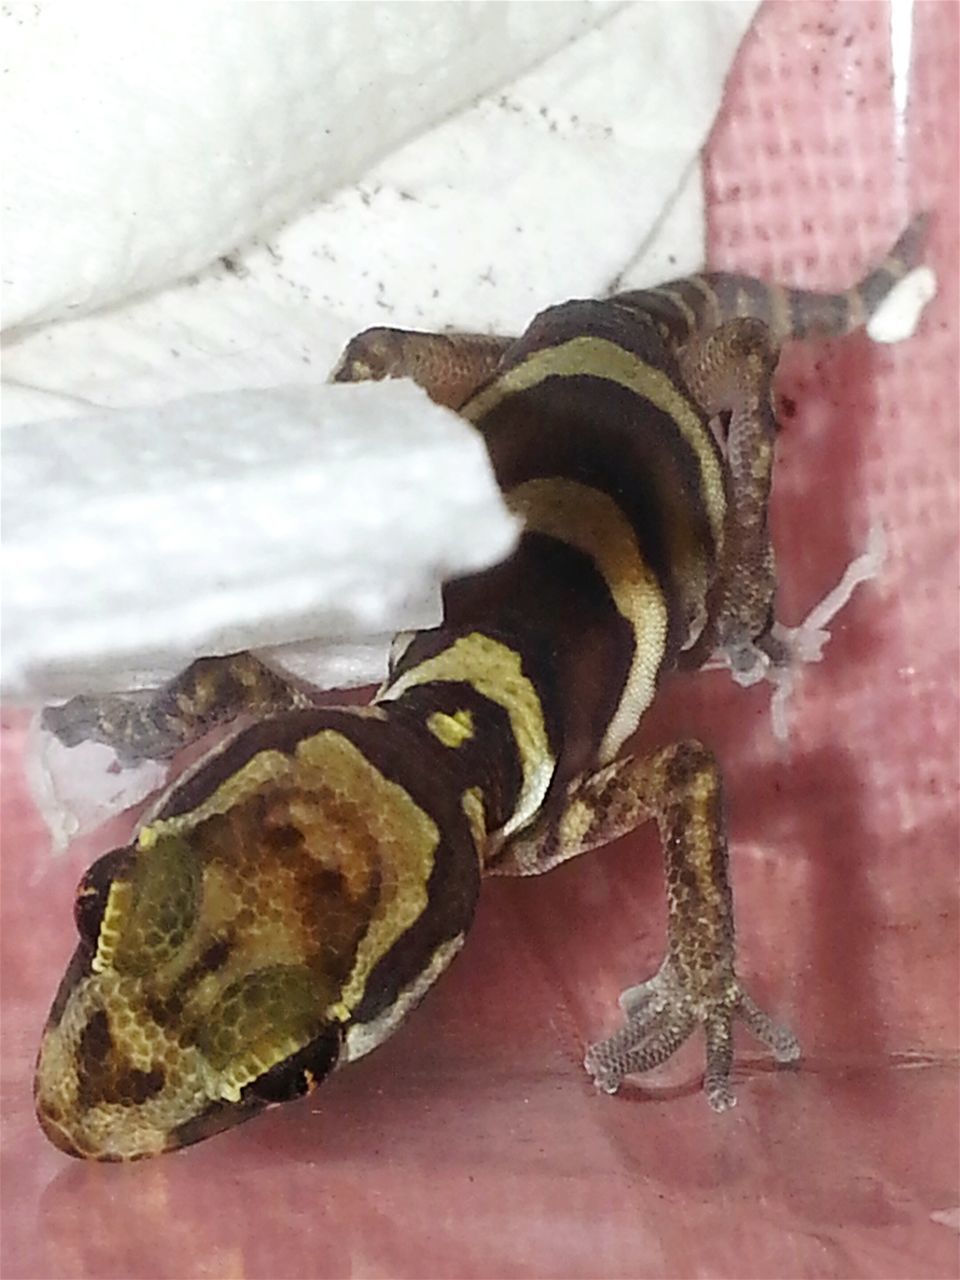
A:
592	522
599	446
700	303
496	672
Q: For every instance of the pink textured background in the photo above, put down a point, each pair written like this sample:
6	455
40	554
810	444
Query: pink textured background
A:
472	1144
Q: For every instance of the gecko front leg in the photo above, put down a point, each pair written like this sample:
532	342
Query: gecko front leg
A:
450	367
730	373
696	985
155	724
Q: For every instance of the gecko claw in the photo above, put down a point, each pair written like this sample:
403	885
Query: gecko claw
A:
661	1014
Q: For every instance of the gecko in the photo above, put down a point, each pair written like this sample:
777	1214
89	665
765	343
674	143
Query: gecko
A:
296	892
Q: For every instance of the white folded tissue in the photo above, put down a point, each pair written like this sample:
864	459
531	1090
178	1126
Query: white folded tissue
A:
334	511
142	146
324	510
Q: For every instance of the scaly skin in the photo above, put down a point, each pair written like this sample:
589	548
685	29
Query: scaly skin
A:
297	892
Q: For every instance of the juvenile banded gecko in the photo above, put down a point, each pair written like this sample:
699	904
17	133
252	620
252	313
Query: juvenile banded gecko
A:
298	890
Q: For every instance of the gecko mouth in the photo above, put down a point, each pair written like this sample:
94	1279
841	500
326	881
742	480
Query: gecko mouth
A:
71	1138
118	1147
57	1134
117	1079
116	1139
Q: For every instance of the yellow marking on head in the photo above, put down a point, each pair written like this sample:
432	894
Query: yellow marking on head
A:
452	730
115	915
601	358
405	837
264	767
591	521
400	836
496	672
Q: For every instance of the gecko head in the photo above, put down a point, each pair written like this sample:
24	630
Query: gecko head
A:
198	995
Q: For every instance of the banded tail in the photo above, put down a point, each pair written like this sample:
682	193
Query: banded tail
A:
705	301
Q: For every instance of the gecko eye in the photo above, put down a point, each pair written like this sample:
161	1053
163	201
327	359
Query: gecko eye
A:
165	888
301	1072
268	1030
94	889
136	905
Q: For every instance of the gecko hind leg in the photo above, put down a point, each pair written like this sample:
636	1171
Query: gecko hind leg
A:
696	985
450	367
730	373
154	724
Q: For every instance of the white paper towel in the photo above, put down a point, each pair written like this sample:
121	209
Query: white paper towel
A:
332	511
143	145
140	142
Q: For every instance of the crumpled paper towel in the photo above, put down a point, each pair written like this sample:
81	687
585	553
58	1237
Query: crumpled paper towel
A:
145	144
141	142
288	522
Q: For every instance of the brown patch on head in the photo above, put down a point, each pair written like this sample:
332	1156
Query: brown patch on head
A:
104	1075
299	873
214	958
138	1085
95	1052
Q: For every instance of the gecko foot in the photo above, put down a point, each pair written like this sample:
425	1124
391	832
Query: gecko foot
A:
779	653
660	1014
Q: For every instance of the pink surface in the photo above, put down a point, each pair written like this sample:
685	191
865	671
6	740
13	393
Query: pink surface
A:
473	1144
